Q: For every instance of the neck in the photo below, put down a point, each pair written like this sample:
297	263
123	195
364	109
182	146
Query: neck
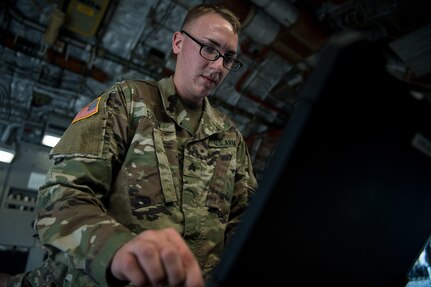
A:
190	105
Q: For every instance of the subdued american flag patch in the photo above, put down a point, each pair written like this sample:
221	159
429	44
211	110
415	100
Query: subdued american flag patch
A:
89	110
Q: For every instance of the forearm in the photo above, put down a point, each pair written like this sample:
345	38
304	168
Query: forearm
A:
72	220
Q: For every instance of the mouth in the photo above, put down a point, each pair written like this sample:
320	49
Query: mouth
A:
211	80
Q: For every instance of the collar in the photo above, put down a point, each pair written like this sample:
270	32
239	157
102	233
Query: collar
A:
212	120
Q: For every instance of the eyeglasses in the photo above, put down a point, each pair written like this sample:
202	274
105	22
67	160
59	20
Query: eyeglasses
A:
212	54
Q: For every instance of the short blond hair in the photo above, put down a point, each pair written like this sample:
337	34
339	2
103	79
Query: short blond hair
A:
205	8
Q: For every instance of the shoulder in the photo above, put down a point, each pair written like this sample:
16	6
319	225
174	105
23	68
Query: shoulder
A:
134	93
137	87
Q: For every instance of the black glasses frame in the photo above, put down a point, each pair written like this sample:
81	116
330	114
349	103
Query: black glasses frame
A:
236	64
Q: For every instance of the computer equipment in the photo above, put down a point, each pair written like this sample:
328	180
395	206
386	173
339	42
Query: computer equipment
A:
345	198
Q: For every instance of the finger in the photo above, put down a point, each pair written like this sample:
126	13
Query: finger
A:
192	271
150	261
173	265
168	255
194	276
129	269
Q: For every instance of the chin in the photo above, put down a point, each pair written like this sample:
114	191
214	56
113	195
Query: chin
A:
204	91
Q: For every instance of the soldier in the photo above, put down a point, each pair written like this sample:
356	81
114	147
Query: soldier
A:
149	180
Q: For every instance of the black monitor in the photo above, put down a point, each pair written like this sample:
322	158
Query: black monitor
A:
346	195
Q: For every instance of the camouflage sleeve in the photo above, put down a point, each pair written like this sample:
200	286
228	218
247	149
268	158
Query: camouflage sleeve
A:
72	219
244	187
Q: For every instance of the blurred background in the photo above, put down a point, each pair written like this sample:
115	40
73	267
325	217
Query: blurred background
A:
56	56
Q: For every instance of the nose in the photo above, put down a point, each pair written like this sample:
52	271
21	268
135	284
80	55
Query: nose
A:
218	64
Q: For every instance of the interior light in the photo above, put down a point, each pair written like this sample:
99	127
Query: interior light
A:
6	155
54	129
50	140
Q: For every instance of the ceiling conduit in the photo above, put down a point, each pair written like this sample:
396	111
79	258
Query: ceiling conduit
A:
52	30
9	133
261	28
291	31
283	12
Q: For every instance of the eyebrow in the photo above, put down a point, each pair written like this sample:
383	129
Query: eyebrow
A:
217	45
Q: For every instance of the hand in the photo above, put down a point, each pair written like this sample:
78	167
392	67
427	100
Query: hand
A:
156	257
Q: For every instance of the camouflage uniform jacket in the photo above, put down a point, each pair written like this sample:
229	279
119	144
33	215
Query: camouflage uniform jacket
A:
128	163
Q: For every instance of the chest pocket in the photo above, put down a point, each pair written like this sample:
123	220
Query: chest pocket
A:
150	165
222	154
165	144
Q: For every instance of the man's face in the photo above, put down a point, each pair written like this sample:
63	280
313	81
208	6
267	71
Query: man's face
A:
195	77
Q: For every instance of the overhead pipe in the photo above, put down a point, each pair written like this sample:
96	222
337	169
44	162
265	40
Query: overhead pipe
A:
248	50
290	31
51	33
5	138
261	28
308	29
53	57
245	77
285	13
101	53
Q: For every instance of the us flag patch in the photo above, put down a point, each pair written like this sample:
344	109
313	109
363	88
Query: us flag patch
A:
89	110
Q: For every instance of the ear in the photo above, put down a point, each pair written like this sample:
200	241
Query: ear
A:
177	42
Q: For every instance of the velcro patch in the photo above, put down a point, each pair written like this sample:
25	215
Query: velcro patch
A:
89	110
